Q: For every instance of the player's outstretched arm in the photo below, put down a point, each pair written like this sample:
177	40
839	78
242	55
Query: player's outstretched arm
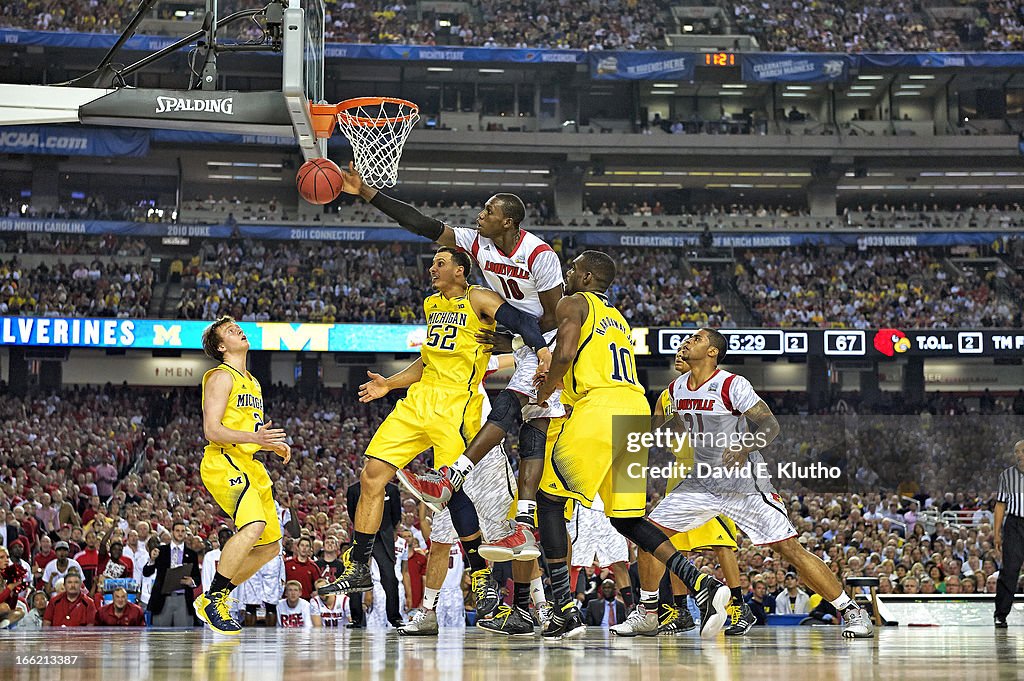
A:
405	215
767	430
378	386
489	305
571	312
218	389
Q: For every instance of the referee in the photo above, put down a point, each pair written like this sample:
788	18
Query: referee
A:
1010	504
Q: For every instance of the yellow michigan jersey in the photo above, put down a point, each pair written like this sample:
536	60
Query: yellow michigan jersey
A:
444	408
720	530
451	354
238	482
604	355
600	385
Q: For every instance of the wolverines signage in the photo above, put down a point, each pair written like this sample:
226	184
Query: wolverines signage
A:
187	335
880	344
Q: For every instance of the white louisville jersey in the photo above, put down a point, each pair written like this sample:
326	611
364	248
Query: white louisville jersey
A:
332	618
713	412
298	617
519	277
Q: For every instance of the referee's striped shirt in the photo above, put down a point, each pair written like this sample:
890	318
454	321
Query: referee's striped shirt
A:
1011	491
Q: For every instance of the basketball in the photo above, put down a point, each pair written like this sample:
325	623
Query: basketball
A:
319	181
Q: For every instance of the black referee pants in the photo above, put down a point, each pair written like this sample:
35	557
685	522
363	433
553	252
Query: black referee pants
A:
1013	558
385	559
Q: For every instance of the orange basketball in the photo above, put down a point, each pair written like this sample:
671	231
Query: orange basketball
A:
319	181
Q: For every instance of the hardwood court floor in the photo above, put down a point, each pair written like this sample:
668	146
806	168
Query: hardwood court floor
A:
786	653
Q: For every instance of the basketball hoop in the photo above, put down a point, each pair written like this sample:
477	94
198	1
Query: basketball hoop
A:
377	128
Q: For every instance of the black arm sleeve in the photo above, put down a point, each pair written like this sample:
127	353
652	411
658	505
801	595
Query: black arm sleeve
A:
525	325
408	217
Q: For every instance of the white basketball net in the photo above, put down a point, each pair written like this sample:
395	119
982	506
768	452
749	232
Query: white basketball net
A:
377	133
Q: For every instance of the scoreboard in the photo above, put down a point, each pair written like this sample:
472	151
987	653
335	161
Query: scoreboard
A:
876	344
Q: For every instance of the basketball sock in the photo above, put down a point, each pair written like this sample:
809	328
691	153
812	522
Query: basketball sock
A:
463	466
627	596
526	507
679	600
472	549
737	595
362	547
220	583
649	599
521	596
559	583
842	602
682	568
537	592
430	598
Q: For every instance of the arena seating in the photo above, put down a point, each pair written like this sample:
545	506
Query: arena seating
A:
777	25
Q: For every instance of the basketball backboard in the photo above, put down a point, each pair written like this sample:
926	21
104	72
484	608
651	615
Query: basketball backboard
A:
284	113
302	73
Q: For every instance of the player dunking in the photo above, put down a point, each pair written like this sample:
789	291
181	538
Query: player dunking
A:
442	409
233	423
713	405
594	360
525	271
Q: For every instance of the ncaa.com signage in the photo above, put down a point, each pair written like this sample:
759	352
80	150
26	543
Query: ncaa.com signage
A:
64	140
225	105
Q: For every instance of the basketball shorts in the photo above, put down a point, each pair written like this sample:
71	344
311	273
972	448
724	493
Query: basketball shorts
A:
594	540
585	461
491	486
719	531
522	383
761	516
241	486
428	416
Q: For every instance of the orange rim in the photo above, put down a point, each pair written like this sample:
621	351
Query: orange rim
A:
326	115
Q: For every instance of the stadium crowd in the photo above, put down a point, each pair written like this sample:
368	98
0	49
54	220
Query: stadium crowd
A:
269	280
84	287
113	470
778	25
816	287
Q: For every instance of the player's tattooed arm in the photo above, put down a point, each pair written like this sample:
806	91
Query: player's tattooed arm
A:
767	430
402	213
571	312
378	386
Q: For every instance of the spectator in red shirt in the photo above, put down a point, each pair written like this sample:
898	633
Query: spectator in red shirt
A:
301	568
90	513
120	612
72	608
89	559
416	570
44	556
112	563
